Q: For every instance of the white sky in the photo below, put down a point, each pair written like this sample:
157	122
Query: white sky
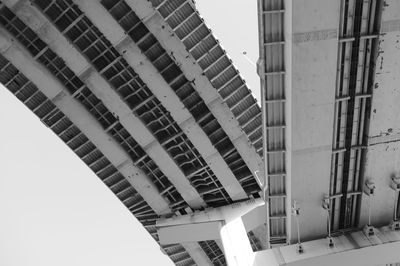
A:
53	209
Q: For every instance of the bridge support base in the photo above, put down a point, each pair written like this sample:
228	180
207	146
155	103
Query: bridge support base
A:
236	244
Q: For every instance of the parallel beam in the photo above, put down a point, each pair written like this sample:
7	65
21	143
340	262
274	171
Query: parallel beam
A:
135	127
192	71
78	115
160	88
137	179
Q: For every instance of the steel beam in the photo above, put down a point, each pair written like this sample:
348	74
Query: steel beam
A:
138	130
192	71
160	88
112	151
78	115
99	86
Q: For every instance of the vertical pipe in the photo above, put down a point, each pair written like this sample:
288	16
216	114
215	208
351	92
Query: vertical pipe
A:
348	155
375	27
396	197
369	210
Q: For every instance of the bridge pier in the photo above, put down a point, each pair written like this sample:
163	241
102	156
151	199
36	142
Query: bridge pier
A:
236	244
230	224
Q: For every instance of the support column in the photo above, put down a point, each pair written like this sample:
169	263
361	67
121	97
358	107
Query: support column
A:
236	244
228	223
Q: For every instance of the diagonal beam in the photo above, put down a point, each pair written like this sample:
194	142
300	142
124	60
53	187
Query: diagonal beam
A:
35	16
78	115
93	130
192	71
160	88
137	129
100	87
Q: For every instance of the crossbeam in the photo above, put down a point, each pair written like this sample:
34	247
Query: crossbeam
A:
230	224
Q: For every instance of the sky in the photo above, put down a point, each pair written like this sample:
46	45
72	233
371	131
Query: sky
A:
53	209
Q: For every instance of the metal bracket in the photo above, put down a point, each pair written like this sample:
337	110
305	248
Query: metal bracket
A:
395	184
369	230
369	188
395	225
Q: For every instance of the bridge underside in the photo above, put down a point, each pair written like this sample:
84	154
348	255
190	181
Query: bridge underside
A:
146	96
164	120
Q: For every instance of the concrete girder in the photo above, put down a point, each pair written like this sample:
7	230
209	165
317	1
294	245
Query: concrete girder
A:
192	71
314	45
78	115
164	93
135	127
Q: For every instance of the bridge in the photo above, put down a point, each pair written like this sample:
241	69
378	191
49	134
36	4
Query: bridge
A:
148	99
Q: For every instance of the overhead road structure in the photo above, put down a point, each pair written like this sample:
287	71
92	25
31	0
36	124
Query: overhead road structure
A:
146	96
163	142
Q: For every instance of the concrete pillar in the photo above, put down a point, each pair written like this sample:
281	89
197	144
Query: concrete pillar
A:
236	244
